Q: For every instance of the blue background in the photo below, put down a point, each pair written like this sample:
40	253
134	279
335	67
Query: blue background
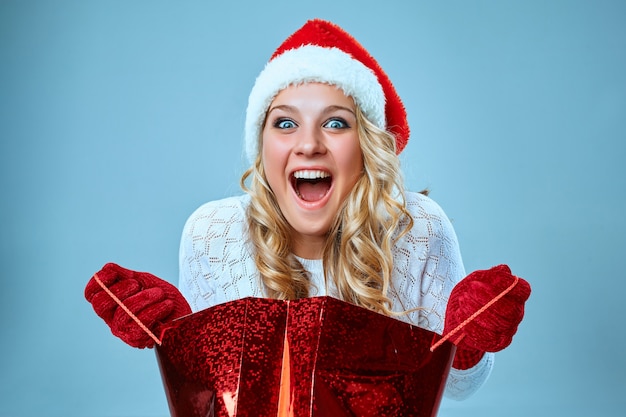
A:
119	118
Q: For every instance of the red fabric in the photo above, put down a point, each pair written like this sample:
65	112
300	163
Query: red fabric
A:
493	329
467	358
326	34
154	301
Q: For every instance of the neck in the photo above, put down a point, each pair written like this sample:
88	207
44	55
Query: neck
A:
309	247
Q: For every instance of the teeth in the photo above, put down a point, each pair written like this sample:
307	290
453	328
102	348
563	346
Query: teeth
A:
307	174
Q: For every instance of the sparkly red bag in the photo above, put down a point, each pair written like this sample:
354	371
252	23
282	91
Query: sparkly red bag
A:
311	357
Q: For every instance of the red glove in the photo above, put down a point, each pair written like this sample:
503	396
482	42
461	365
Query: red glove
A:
493	329
154	301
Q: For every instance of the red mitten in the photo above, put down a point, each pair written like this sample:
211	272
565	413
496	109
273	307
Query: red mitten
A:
492	330
153	301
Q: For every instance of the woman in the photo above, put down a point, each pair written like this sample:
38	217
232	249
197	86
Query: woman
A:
325	211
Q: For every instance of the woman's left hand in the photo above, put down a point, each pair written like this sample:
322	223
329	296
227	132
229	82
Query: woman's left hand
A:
501	296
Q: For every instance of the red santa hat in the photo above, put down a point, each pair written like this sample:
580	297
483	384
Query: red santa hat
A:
321	51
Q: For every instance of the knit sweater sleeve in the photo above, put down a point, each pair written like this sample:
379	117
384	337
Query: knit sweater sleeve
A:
215	260
427	265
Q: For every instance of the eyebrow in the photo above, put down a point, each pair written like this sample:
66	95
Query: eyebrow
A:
326	110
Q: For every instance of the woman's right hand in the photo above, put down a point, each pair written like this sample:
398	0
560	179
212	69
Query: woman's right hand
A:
153	301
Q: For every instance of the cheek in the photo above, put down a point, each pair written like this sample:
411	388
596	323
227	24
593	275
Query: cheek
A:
272	147
273	159
351	159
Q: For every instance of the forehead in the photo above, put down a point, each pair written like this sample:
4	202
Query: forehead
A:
313	93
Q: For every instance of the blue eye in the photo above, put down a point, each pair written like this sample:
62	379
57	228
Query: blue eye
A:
284	124
336	124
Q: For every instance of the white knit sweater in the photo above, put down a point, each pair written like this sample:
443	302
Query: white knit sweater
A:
217	266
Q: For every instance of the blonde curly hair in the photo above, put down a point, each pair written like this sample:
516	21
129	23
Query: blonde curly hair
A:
357	256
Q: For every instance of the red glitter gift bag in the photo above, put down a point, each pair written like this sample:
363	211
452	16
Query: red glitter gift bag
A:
311	357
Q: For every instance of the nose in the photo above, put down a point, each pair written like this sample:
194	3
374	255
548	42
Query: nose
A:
310	142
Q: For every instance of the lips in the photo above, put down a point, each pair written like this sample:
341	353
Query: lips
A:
311	185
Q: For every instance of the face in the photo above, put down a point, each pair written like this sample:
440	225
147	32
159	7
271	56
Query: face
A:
312	159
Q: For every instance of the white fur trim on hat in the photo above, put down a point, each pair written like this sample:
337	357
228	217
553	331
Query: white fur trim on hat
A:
311	63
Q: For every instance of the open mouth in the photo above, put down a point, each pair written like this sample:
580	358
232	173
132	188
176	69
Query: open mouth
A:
311	185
